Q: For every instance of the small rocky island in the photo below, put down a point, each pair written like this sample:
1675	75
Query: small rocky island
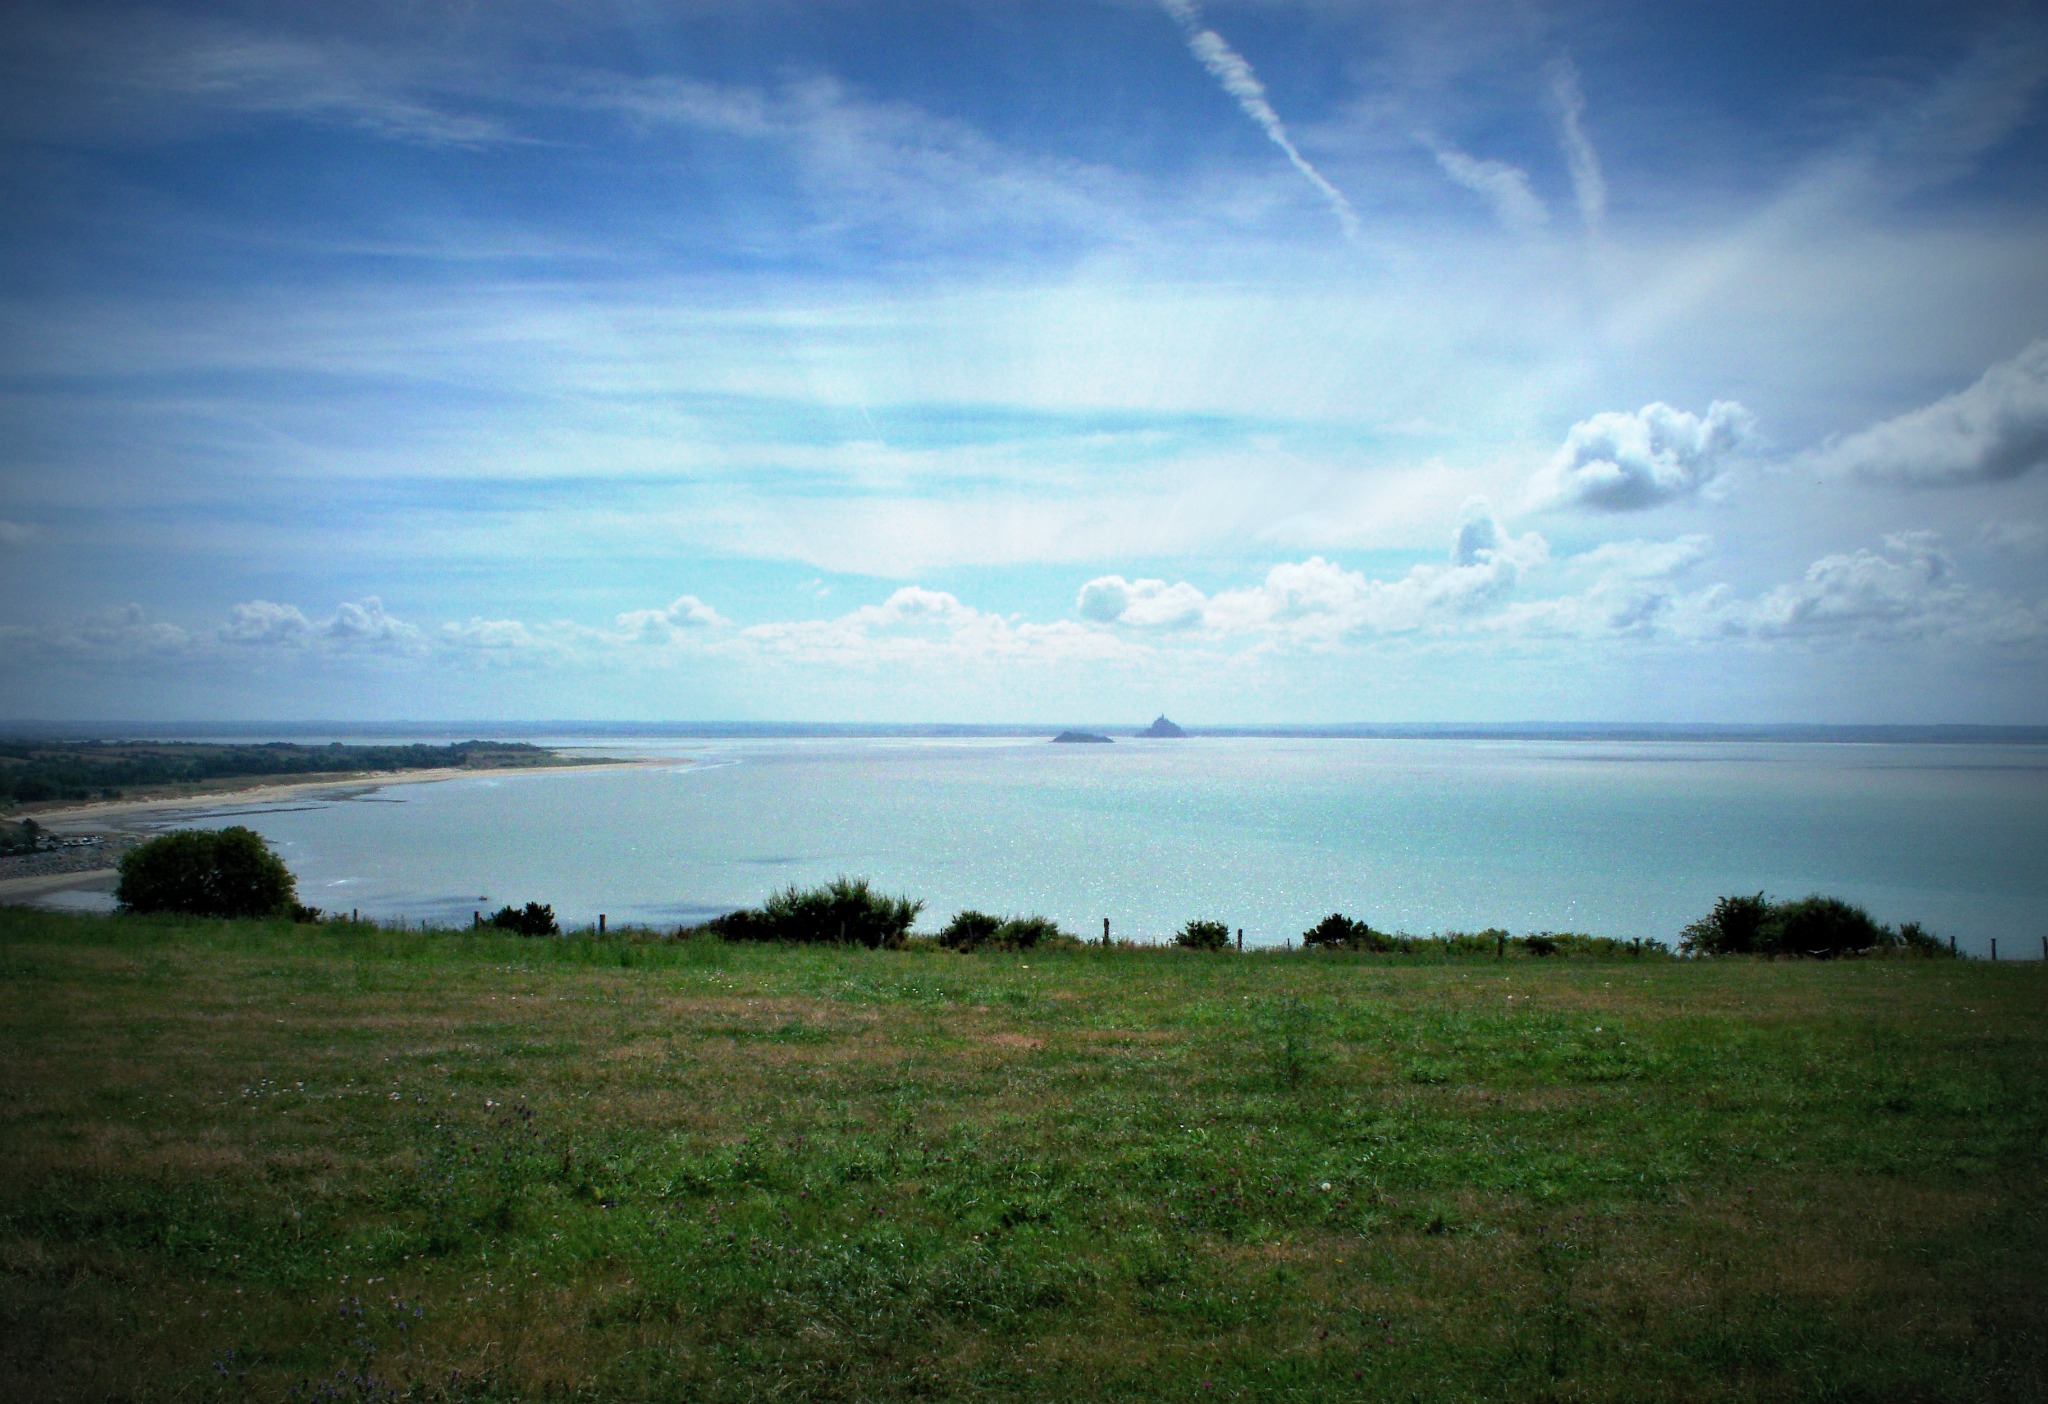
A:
1162	728
1080	738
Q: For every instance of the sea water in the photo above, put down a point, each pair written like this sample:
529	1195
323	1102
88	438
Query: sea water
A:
1616	838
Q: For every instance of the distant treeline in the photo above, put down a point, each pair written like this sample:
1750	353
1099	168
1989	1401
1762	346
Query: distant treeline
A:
32	771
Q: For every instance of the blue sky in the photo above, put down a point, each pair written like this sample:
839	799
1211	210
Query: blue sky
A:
1003	362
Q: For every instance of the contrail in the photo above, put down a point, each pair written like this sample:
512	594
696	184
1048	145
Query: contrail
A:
1587	182
1229	68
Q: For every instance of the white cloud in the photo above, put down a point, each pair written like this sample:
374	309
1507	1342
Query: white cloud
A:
1142	604
1589	185
919	626
263	623
124	632
1643	560
364	623
685	615
15	533
1317	601
1501	185
1907	589
1229	68
1619	461
1993	430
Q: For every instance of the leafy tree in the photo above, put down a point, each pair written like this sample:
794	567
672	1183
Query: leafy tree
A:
1732	928
1339	932
205	872
1203	936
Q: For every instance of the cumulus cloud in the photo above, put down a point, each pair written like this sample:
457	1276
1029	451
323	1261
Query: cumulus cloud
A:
365	623
1319	601
1995	429
686	614
263	623
124	632
917	625
1501	185
1142	604
1229	68
1906	589
1622	461
1589	185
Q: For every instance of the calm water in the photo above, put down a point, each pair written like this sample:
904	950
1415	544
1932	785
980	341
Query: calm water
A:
1615	838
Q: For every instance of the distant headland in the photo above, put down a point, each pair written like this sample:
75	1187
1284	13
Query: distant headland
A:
1162	728
1081	738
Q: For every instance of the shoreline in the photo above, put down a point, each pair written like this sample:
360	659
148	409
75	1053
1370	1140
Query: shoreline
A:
132	816
133	820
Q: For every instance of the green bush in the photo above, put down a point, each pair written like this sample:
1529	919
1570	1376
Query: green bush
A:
534	919
207	872
1339	932
978	931
1822	927
1203	936
1732	928
846	911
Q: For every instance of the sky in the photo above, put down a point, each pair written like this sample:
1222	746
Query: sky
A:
1253	362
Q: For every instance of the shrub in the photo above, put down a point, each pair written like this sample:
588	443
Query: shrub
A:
846	911
1820	926
207	872
1732	928
978	931
1817	926
534	919
1203	936
1540	944
1339	932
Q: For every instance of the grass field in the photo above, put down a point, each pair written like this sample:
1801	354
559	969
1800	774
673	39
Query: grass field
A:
246	1161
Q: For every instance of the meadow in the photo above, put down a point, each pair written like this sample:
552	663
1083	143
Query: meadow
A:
253	1161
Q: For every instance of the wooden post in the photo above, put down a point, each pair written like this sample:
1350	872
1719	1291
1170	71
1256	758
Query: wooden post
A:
353	916
1994	948
600	923
1105	933
1951	945
476	919
1240	941
1500	946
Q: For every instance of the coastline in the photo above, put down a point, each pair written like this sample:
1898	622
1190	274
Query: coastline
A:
134	816
129	821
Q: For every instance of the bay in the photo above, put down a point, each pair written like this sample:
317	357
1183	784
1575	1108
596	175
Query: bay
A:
1615	838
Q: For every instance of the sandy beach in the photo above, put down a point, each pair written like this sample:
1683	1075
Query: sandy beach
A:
123	822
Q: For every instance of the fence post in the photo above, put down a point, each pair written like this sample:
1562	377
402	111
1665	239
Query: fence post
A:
1951	945
600	923
1240	941
1994	948
1500	946
476	919
1105	933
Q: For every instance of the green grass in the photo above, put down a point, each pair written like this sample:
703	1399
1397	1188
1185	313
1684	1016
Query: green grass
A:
240	1160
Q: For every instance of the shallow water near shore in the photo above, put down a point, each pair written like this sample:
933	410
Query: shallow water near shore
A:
1621	839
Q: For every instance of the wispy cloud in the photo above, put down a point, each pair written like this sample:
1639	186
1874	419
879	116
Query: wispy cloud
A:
1504	186
1589	184
1229	68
